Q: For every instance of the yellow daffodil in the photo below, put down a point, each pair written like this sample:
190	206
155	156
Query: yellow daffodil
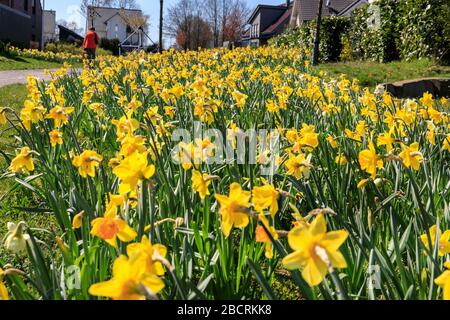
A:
147	250
262	236
87	162
315	250
443	281
60	115
2	116
200	183
369	160
240	98
411	156
332	141
299	165
130	280
234	208
23	162
132	170
362	183
444	240
446	144
266	197
385	139
3	291
341	160
55	138
111	226
78	220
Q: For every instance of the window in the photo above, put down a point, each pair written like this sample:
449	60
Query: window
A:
117	31
25	5
33	6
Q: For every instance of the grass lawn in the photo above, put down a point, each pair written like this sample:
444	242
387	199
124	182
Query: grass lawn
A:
370	74
13	96
22	63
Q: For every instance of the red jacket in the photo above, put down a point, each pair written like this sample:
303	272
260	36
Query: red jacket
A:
91	40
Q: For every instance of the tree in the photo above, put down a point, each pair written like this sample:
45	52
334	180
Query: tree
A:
178	24
194	33
317	36
225	18
235	20
126	4
71	25
94	3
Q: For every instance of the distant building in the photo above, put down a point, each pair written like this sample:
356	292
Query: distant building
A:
268	21
49	26
21	22
113	23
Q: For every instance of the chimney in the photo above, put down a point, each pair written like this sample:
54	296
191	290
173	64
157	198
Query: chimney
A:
288	3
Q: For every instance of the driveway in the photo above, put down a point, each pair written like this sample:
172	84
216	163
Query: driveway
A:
20	76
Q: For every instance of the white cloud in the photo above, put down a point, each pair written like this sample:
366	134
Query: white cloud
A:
73	14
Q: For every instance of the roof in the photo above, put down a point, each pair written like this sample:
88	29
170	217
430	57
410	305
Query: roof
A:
281	20
112	8
307	9
351	7
71	32
265	6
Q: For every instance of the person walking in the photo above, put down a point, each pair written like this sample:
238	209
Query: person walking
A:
90	43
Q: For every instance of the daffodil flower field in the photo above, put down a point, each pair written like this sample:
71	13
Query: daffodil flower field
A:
356	204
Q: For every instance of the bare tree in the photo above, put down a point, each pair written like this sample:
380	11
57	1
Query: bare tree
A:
177	19
94	3
71	25
126	4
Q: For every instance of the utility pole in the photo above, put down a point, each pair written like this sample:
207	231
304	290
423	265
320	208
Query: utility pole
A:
161	12
42	25
317	37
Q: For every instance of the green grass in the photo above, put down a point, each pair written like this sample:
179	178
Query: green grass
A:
371	74
13	96
22	63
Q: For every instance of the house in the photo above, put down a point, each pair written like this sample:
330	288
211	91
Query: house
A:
114	23
306	10
265	22
347	11
21	22
268	21
49	33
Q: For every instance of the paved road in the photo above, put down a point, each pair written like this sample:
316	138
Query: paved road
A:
20	76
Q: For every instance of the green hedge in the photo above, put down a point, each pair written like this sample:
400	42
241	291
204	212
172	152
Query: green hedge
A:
407	29
425	29
331	31
62	47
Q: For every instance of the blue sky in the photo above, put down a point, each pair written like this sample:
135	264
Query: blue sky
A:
69	10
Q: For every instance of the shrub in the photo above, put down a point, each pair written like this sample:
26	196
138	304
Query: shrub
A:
110	45
373	41
68	48
425	29
330	37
